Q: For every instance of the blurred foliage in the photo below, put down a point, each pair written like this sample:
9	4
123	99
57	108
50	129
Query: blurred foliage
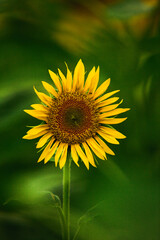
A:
123	38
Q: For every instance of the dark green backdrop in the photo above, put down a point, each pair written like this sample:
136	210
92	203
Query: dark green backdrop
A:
120	200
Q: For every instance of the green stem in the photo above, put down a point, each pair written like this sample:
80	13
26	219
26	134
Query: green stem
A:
63	222
76	234
66	197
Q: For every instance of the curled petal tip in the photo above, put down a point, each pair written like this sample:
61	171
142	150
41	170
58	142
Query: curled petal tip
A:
77	164
123	136
50	72
26	110
61	167
35	89
94	165
66	65
24	137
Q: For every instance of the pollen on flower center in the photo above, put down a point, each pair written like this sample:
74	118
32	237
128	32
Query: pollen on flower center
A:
73	118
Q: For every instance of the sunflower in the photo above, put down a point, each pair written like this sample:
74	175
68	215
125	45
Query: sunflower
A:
77	118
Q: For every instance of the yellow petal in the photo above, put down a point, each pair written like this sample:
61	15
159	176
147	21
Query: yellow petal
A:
45	151
89	79
110	107
51	152
62	161
105	96
43	97
43	140
39	107
29	136
114	112
89	154
78	77
50	89
104	145
82	155
58	153
99	155
74	155
64	81
69	80
37	129
112	120
107	102
103	87
94	82
37	114
95	145
113	132
56	81
107	137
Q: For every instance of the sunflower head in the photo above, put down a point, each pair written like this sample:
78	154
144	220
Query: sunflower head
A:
77	116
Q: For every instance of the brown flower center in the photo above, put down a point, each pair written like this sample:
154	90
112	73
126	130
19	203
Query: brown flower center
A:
73	118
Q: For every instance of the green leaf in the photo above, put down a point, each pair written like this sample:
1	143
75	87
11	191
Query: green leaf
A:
55	199
87	217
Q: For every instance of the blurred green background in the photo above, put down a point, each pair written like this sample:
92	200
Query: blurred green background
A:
123	193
